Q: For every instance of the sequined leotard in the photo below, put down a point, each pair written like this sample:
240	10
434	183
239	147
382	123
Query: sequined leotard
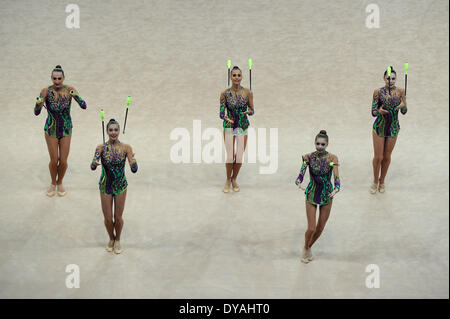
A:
320	171
59	122
235	105
113	157
386	125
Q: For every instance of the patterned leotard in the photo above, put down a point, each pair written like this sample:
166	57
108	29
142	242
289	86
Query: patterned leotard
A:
113	180
235	105
320	171
59	122
386	125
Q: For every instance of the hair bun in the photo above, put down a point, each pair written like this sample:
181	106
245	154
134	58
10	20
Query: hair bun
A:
323	132
112	120
58	67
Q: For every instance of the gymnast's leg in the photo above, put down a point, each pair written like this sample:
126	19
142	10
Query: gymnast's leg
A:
240	145
119	206
378	149
324	213
52	145
388	148
107	201
64	148
311	218
229	147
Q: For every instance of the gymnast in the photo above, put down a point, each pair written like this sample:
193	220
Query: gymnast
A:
113	183
319	191
237	101
386	103
58	126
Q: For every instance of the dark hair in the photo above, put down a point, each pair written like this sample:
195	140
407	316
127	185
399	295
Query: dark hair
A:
323	134
392	71
235	68
58	68
112	121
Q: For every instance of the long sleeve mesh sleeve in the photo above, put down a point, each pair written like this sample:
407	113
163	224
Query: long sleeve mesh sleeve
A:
301	174
38	106
375	102
95	159
80	101
223	104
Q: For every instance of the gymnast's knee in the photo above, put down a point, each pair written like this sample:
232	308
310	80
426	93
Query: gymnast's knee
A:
311	229
319	229
118	219
378	159
62	162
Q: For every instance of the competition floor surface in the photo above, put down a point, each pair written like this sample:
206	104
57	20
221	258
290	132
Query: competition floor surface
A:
315	66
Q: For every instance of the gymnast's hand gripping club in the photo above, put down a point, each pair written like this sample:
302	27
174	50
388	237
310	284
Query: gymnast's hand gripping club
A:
126	113
39	104
78	99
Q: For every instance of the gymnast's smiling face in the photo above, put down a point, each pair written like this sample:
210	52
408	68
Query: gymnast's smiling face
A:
321	144
393	79
236	77
58	79
113	132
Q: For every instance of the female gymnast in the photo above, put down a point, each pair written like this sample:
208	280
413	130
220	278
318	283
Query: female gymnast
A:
385	107
58	127
238	103
319	190
113	183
